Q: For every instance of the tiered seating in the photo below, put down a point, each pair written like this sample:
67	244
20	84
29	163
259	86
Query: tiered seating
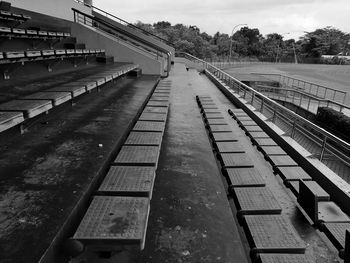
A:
124	194
17	111
51	38
31	33
9	16
270	234
314	201
34	55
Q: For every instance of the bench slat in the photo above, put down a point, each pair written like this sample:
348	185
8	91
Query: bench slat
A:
115	221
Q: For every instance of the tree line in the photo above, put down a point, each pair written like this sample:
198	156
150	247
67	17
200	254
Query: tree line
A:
249	42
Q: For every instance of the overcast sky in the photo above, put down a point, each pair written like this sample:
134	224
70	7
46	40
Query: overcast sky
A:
269	16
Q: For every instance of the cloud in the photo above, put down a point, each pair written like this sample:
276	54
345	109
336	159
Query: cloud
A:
268	16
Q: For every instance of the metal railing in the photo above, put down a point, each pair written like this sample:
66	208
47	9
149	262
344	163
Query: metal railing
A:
123	22
140	44
325	146
316	90
301	99
229	64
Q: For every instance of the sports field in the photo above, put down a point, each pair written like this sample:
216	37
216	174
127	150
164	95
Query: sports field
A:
332	76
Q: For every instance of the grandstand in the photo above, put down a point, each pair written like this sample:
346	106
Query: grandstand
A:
114	149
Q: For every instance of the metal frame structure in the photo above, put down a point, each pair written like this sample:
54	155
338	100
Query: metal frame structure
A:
140	44
325	146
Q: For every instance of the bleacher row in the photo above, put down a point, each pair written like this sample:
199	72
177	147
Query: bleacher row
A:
119	210
19	110
33	54
10	16
31	33
19	56
271	235
313	199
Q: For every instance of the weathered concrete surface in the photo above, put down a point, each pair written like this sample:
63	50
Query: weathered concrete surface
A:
44	172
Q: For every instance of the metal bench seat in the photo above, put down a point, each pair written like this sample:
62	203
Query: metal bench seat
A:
284	258
272	234
33	53
10	119
6	15
315	202
88	83
138	156
56	98
115	222
74	88
144	138
128	181
30	108
14	54
146	116
100	80
244	177
291	173
255	200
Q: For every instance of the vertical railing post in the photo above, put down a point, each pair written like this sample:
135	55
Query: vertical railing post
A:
323	148
262	105
308	105
274	114
293	129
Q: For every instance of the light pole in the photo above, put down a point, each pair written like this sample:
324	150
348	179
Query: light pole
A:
278	46
295	54
233	29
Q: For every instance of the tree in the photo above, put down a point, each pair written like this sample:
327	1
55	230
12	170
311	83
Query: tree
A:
325	41
249	42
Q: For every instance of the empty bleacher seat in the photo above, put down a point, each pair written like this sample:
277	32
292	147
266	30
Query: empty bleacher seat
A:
30	108
14	54
114	221
56	98
315	202
10	119
7	15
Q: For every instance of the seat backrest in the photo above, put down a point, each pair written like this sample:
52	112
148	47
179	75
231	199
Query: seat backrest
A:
308	201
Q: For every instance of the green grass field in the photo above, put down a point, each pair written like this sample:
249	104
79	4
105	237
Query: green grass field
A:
332	76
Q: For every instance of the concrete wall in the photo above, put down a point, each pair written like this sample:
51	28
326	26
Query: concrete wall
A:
137	34
121	51
60	9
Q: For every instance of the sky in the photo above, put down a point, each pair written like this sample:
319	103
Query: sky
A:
290	18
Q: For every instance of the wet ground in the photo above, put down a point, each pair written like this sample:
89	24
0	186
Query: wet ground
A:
192	219
44	172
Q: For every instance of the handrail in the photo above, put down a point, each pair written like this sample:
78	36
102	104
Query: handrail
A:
125	22
282	79
284	91
90	23
329	140
140	40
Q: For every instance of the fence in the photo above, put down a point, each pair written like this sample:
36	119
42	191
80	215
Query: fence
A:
322	144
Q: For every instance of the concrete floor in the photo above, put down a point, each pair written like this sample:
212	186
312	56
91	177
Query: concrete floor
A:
191	218
44	172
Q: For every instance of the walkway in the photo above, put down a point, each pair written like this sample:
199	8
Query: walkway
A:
191	218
